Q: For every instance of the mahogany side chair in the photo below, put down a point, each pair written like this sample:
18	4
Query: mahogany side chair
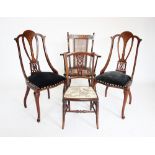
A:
79	43
119	78
80	93
37	80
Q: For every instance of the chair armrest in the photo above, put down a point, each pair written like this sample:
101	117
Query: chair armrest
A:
62	54
97	55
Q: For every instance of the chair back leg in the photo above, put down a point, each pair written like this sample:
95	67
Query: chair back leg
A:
106	89
37	95
130	97
25	97
48	91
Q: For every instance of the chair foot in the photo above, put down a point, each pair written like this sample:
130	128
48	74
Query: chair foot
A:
38	120
97	115
25	97
63	114
123	117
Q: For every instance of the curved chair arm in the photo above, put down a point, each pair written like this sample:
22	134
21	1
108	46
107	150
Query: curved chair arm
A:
99	56
62	54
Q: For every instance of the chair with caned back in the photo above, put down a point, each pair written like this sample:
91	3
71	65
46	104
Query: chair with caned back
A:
37	80
119	78
80	43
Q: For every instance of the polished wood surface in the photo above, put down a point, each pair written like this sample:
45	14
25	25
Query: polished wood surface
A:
67	98
32	54
123	56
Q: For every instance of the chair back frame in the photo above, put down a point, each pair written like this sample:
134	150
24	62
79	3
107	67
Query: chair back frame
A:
80	64
34	63
122	59
80	43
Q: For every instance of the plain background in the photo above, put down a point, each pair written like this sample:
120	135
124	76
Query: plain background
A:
22	122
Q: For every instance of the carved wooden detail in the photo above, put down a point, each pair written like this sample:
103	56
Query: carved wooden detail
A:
34	66
123	55
32	54
79	63
121	66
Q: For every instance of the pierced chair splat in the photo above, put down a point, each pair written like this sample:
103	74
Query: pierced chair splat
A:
37	80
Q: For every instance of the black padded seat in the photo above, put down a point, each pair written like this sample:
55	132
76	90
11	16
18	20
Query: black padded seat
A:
114	78
45	79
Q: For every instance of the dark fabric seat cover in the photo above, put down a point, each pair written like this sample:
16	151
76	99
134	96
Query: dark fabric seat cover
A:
115	78
45	79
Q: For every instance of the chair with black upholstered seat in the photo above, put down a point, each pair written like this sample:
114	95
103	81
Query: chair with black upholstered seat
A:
37	80
119	78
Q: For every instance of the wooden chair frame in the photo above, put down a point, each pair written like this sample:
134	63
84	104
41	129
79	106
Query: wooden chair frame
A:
73	38
94	105
121	64
34	64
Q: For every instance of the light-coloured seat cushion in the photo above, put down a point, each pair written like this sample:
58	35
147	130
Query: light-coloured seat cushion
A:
80	92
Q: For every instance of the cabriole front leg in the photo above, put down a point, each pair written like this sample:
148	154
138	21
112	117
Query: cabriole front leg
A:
130	97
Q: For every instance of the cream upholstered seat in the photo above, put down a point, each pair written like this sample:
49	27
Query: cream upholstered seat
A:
82	92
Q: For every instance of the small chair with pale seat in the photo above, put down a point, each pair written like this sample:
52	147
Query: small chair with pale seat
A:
80	93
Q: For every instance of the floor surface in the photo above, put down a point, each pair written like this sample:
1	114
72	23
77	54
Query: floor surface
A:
15	120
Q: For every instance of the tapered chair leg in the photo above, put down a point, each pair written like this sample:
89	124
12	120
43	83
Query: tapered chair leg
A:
63	114
25	97
130	97
106	89
97	114
37	95
48	91
126	92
